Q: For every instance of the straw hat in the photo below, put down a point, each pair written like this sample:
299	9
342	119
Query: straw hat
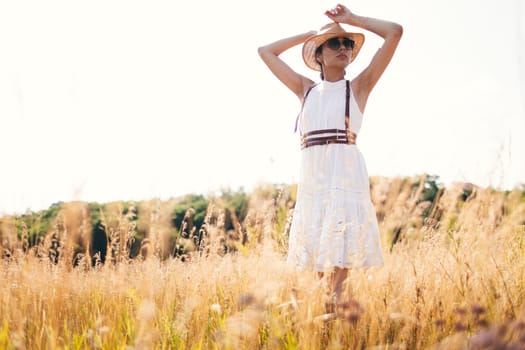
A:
328	31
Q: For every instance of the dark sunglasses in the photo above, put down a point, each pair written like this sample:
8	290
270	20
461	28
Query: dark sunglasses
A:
335	43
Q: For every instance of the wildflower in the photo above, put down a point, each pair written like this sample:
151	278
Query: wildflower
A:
216	308
485	339
460	327
460	311
477	310
439	323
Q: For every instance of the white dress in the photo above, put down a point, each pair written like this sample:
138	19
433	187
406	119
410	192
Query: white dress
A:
334	221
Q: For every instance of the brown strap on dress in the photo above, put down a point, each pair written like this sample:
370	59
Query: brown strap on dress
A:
302	106
323	142
347	106
324	131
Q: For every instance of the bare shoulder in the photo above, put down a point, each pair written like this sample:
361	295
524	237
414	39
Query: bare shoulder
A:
307	84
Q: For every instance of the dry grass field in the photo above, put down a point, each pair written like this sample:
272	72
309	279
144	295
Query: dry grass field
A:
454	278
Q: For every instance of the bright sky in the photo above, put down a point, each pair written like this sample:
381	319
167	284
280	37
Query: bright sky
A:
129	100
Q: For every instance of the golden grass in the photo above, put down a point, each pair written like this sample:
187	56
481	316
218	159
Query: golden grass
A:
455	280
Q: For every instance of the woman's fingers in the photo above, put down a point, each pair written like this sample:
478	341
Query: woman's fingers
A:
338	10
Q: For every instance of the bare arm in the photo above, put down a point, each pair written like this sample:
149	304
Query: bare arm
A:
389	31
270	55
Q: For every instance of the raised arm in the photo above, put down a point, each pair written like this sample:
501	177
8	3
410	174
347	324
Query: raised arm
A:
270	55
389	31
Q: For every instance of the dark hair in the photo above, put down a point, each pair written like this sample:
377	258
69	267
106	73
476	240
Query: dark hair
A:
318	51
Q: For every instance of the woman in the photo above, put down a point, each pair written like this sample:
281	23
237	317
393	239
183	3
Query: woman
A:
334	226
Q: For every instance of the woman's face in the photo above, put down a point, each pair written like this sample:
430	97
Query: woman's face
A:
336	52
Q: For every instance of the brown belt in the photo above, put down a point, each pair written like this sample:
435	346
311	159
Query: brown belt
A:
338	136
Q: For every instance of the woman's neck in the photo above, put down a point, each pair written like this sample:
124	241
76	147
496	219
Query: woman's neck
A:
334	75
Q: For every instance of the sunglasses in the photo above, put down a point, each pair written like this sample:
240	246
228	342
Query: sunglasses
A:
335	43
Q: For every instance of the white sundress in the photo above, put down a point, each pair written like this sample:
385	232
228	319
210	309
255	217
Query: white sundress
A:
334	221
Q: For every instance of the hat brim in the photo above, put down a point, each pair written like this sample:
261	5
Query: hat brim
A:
312	43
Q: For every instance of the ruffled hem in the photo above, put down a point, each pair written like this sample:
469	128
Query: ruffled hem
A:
334	228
